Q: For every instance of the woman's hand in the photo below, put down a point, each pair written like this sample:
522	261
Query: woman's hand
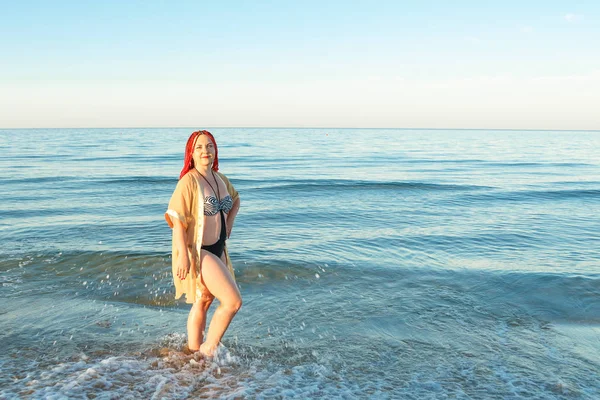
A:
183	269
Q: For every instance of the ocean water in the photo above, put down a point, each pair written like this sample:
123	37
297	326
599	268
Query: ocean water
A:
408	264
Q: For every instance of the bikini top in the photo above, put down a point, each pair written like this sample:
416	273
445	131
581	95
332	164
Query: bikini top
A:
212	206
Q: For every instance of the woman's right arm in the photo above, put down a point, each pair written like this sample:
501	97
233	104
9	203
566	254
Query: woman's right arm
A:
183	261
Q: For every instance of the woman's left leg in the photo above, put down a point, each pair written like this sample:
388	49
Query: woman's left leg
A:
196	323
221	284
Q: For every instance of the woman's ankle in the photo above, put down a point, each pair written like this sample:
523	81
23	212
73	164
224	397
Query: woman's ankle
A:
207	350
195	344
189	350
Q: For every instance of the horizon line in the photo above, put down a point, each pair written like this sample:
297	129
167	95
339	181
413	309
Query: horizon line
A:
314	127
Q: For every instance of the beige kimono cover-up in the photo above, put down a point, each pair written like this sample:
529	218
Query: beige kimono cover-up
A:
187	205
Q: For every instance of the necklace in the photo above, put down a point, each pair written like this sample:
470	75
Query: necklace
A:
217	192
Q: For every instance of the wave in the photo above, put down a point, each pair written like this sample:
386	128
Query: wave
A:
562	194
146	279
340	184
90	180
114	260
127	158
536	164
171	180
333	185
41	179
486	163
576	183
526	195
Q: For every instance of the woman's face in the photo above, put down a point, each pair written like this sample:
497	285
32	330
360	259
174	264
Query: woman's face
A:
204	152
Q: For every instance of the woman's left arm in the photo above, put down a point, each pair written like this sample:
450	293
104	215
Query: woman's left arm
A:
236	203
231	216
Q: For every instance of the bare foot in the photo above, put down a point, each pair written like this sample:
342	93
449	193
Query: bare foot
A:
206	350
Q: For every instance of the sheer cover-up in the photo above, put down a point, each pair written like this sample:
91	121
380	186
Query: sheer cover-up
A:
187	206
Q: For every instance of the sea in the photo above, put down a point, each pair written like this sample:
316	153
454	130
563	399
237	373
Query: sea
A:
372	263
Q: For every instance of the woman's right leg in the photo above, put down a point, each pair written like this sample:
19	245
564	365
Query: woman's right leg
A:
221	284
197	321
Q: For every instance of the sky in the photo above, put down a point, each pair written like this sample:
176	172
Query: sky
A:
349	64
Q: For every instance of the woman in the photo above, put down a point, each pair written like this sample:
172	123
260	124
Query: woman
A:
201	212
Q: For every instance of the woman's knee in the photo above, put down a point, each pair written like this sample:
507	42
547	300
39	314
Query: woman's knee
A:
233	305
204	302
238	304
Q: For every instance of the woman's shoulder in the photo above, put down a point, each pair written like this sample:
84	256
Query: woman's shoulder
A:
188	180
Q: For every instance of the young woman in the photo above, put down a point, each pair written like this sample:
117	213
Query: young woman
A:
201	212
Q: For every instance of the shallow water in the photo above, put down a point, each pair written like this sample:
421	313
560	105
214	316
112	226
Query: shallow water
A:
372	263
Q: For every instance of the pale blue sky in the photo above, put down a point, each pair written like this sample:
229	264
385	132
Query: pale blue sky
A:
428	64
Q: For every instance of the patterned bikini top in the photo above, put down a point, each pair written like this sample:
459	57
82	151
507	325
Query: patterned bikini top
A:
212	206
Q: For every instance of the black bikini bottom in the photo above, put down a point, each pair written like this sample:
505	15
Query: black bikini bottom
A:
218	247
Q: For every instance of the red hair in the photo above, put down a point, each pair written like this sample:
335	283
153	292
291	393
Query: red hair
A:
188	161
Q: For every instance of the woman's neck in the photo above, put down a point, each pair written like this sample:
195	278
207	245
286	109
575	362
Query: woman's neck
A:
204	170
